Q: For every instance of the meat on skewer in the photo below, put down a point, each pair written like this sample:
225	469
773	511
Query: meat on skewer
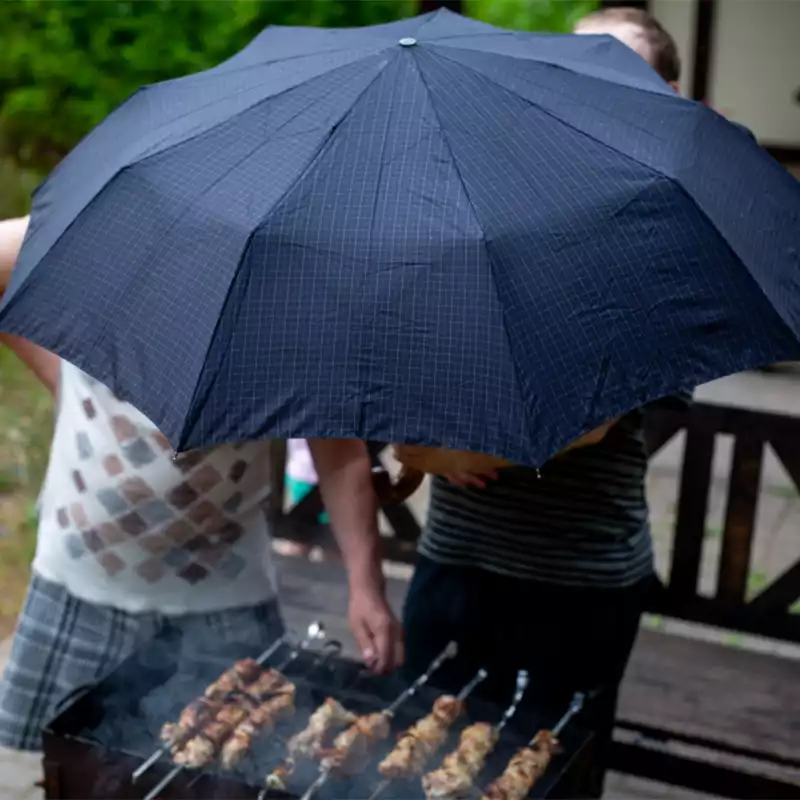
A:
526	766
416	745
202	747
459	769
329	717
313	740
352	746
237	677
203	709
191	718
261	719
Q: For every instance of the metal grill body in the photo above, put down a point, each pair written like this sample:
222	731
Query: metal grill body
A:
104	732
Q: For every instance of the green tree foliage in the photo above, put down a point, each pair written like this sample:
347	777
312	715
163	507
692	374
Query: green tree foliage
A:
555	16
65	64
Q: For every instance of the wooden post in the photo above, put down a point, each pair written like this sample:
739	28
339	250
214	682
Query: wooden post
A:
690	526
744	486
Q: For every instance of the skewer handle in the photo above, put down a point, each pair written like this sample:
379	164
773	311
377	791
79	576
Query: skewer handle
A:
163	783
142	768
449	652
321	780
381	788
315	633
467	690
270	650
522	685
575	707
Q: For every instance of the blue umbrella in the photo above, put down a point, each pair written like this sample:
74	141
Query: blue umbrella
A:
432	231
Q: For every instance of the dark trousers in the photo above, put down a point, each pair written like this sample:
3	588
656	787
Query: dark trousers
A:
569	639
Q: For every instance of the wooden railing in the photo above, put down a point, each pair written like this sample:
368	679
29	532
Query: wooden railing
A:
767	613
646	750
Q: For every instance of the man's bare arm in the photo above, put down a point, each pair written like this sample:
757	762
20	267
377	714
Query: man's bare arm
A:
44	365
345	481
12	232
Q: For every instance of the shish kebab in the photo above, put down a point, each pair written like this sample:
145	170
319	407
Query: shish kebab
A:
352	746
264	718
203	744
331	716
203	709
529	763
269	698
414	747
419	743
456	776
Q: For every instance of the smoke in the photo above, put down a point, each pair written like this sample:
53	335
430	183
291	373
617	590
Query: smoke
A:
125	712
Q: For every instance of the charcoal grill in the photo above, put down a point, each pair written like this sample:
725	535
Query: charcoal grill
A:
104	732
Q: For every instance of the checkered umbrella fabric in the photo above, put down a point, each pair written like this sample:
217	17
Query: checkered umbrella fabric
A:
433	231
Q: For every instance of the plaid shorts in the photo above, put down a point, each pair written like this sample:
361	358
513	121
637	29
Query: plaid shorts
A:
62	643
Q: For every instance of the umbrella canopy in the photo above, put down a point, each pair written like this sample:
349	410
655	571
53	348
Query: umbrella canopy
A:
432	231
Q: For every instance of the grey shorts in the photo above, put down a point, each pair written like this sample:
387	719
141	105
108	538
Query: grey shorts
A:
62	643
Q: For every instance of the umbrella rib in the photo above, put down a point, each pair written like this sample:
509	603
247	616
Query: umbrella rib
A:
517	369
570	125
317	154
219	70
250	107
670	96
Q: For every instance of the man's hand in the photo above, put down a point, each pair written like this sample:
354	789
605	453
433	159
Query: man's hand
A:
377	632
479	479
476	479
345	482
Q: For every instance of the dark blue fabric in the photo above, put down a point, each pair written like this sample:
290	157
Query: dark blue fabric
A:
490	240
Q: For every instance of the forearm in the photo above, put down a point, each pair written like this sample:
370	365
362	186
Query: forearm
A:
344	469
43	364
12	232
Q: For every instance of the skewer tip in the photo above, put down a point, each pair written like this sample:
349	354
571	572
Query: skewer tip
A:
451	651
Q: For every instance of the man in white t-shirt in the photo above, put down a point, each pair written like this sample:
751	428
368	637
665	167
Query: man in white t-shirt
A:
132	542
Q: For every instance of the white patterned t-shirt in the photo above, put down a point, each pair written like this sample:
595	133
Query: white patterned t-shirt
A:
122	523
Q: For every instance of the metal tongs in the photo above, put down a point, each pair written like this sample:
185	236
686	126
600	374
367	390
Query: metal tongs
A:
316	632
449	652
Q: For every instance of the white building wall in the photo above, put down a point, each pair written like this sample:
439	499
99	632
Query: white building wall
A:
678	17
755	67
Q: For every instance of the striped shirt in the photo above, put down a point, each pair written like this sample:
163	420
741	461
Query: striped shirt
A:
582	521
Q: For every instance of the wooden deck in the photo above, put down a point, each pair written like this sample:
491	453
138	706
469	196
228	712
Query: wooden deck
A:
702	690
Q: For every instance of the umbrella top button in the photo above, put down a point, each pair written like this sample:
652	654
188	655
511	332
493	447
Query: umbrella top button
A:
407	41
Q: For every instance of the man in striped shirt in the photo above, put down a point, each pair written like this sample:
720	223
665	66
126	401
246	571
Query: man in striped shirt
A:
545	570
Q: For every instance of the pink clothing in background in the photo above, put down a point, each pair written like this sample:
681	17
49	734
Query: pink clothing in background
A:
299	464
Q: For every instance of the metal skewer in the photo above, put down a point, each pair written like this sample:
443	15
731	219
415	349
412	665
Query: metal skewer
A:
462	695
575	707
331	649
466	783
315	632
522	685
164	749
449	652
